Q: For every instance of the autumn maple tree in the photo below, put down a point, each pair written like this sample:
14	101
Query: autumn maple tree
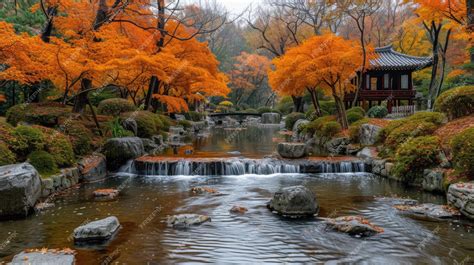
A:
327	62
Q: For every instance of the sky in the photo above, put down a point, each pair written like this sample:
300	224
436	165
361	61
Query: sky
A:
236	6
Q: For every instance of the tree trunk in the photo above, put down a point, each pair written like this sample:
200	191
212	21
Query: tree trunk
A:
315	100
48	27
80	102
298	104
443	50
341	110
470	24
434	35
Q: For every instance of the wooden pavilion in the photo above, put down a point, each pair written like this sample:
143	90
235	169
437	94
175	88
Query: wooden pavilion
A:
389	78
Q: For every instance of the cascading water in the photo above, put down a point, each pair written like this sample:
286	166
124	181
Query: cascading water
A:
236	166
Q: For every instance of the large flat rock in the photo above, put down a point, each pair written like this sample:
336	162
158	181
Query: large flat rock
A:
461	196
291	150
44	257
20	189
97	231
119	150
296	201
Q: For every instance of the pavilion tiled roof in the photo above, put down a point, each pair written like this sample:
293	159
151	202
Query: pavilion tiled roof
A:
389	59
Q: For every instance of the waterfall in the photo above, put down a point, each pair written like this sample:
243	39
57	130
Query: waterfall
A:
240	166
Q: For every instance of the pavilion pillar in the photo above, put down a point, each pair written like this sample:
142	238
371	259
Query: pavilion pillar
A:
389	106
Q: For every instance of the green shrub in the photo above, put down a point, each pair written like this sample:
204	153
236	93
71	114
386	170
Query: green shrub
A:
148	123
328	107
292	118
46	114
186	124
6	131
43	162
26	139
285	105
409	130
377	112
251	111
434	117
7	157
194	116
166	121
115	106
317	124
414	156
358	110
117	130
59	146
262	110
80	136
330	129
353	117
462	148
226	104
355	128
102	94
456	102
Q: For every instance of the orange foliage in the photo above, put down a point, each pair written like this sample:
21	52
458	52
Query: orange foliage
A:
250	70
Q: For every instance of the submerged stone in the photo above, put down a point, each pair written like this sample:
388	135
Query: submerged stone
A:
202	190
428	211
187	219
106	193
238	209
97	231
296	201
353	225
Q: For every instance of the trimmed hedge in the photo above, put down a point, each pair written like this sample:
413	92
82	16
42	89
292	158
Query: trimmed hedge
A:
43	162
186	124
462	148
148	123
81	138
456	102
317	124
59	146
414	156
7	157
358	110
45	114
115	106
330	129
377	112
26	139
353	117
194	116
292	118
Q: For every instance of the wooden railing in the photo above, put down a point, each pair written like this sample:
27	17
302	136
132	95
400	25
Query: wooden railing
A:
402	111
382	95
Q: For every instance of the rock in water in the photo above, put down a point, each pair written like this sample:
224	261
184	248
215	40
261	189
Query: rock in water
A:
93	168
187	219
297	201
291	150
368	134
238	209
45	257
97	231
428	211
106	193
202	190
271	118
353	225
20	189
461	196
119	150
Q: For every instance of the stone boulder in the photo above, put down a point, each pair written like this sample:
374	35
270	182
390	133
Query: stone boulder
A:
428	211
367	153
461	196
238	209
41	257
296	128
119	150
354	226
296	201
271	118
368	134
97	231
433	180
187	219
338	146
93	168
106	194
20	189
291	150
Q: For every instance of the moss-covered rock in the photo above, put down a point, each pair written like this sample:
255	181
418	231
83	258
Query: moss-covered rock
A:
462	147
115	106
292	118
148	123
186	124
43	162
456	102
26	139
317	124
409	130
358	110
331	129
354	116
59	146
7	157
414	156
